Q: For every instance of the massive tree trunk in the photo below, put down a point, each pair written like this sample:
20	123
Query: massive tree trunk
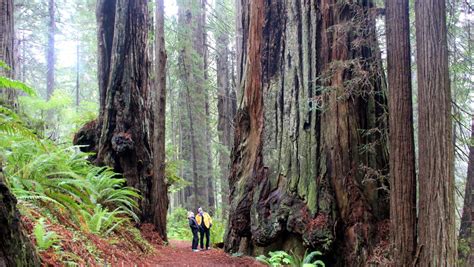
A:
50	53
465	231
402	146
7	39
193	99
123	141
226	105
309	155
160	187
436	224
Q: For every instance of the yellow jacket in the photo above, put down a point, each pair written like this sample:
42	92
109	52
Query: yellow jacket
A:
207	219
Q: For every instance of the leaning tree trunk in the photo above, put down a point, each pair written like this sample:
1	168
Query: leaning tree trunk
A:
466	238
160	187
123	141
436	223
402	145
309	155
7	39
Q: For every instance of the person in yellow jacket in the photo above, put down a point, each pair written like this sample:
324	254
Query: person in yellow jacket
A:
205	221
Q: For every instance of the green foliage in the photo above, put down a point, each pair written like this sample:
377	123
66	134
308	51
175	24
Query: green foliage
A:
281	258
177	223
61	179
217	229
44	239
16	85
101	221
175	181
178	227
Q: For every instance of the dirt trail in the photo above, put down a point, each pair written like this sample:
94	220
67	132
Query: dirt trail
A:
179	253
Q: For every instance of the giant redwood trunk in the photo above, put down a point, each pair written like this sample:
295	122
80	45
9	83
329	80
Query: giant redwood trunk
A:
123	140
402	145
436	219
309	158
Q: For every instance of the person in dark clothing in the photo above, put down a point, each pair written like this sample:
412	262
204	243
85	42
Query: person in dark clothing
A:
194	229
204	220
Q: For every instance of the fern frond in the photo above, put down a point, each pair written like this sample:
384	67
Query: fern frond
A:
17	85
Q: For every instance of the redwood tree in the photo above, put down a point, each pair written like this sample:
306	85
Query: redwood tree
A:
466	237
309	158
7	96
402	146
436	224
124	136
160	189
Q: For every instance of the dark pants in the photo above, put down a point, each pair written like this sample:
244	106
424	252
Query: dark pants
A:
195	239
207	233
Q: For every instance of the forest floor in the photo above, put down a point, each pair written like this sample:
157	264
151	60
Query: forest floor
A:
179	253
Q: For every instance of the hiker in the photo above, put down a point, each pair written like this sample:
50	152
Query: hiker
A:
194	228
204	220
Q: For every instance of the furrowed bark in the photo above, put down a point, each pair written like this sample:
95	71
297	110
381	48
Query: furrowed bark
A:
7	39
402	146
160	188
436	223
465	231
309	156
123	139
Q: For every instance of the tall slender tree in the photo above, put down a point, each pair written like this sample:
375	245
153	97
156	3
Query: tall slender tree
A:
7	39
50	53
160	187
401	137
436	224
466	234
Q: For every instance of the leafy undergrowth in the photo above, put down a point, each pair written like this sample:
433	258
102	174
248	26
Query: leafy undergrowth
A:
75	247
74	212
178	228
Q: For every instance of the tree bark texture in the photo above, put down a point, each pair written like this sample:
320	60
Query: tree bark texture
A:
124	134
401	137
465	231
50	53
226	106
15	247
436	223
193	99
7	40
309	158
160	187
